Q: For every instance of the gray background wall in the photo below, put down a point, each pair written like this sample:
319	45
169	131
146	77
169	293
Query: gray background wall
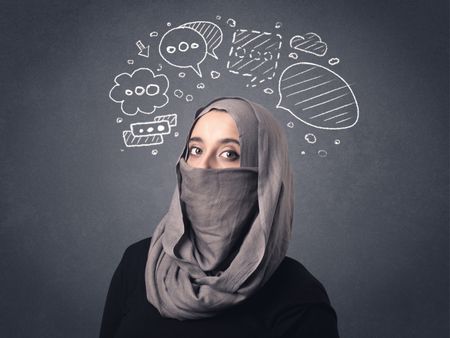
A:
371	218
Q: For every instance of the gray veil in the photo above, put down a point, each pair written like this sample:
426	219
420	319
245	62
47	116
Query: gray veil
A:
177	281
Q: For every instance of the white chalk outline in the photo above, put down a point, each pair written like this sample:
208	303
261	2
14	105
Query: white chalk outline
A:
143	51
309	124
195	26
138	110
237	34
197	70
306	40
159	138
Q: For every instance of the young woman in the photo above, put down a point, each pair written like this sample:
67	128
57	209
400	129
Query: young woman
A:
216	264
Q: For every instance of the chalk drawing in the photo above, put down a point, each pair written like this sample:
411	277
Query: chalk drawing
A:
119	120
310	138
333	61
141	91
201	85
153	34
278	25
254	54
303	152
130	62
181	75
309	43
178	93
293	56
144	134
322	153
268	91
290	124
189	98
215	74
317	96
143	50
187	45
218	17
155	152
337	141
231	22
212	34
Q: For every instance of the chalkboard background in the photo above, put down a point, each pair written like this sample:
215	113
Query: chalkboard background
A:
371	217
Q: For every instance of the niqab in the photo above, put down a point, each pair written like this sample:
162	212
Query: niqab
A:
226	230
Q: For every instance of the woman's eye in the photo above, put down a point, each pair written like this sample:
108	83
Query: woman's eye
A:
230	154
194	150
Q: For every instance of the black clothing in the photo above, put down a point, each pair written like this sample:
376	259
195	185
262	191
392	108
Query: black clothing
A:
293	303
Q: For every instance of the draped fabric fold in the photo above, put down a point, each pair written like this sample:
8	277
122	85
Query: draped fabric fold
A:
226	230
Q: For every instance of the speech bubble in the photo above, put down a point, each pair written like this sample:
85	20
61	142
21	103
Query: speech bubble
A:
141	91
210	31
317	96
183	47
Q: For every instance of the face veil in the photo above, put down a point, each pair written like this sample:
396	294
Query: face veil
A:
218	244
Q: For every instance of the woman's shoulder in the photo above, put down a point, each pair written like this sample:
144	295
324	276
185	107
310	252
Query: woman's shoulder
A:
138	248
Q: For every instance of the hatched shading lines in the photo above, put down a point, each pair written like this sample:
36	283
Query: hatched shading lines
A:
331	110
333	117
262	43
307	80
321	103
290	77
314	97
242	38
320	84
252	39
348	118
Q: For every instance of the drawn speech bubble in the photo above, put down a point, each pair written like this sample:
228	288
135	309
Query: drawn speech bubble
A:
183	47
317	96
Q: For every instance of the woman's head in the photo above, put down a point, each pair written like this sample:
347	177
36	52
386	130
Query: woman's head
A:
214	142
224	135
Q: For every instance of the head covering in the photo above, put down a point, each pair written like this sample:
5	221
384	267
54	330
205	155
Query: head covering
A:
203	260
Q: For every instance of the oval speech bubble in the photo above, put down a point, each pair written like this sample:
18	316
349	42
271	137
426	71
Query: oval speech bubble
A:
183	47
317	96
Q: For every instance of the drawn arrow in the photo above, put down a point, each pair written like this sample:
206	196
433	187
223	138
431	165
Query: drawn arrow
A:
143	51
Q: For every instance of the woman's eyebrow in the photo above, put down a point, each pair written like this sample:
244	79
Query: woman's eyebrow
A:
224	140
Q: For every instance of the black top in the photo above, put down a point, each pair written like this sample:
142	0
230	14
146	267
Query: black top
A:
293	303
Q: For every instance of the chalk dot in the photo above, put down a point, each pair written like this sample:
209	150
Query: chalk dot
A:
149	129
154	151
121	150
128	92
201	85
278	25
268	91
310	138
218	17
161	128
290	124
178	93
303	152
322	153
293	56
139	90
189	98
169	24
181	75
141	130
119	120
130	62
231	22
215	74
154	34
333	61
176	134
337	141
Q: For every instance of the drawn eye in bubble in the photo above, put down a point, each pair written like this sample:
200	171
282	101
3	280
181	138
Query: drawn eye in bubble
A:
317	96
176	49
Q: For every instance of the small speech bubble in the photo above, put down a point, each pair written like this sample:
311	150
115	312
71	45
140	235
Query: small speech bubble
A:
183	47
317	96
